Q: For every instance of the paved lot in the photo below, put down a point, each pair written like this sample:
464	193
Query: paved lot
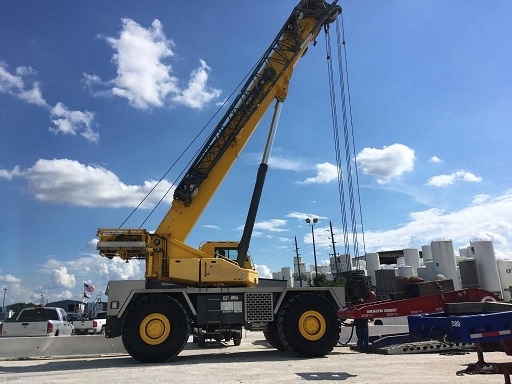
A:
253	362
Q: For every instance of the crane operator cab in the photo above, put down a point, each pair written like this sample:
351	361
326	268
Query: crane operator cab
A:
227	250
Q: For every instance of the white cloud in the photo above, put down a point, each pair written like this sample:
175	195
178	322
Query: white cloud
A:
496	238
144	76
118	269
282	162
14	85
274	225
435	159
197	94
69	181
65	121
286	164
72	122
302	216
480	199
9	279
491	219
446	180
64	295
263	271
210	226
325	173
61	278
6	174
387	163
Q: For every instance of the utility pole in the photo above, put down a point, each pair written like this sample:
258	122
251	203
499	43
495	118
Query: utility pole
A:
298	261
312	224
334	250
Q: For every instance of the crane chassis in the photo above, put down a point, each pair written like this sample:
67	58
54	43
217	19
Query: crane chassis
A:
155	322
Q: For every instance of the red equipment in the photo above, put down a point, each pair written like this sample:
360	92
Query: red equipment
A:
416	305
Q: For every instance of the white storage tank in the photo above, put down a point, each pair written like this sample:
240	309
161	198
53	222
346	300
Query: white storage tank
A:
372	264
286	273
426	252
430	266
483	252
444	261
405	271
423	273
505	272
412	259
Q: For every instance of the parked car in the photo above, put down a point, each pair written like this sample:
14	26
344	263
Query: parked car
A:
38	321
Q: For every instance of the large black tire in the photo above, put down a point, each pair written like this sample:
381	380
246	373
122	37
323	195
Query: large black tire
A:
308	325
237	337
155	329
272	336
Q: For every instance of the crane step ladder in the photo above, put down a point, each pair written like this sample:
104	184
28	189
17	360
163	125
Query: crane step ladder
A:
212	327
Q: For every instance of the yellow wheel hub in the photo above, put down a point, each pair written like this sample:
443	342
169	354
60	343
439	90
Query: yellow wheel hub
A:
154	329
312	325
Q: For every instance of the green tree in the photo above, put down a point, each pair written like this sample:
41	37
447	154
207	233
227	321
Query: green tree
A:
17	307
322	281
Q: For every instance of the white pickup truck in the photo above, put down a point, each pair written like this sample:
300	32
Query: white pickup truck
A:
92	326
38	321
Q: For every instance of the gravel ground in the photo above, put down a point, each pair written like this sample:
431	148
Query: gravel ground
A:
253	362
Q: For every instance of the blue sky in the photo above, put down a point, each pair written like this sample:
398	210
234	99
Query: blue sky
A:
98	99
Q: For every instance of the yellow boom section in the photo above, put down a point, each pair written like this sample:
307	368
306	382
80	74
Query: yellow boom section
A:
270	81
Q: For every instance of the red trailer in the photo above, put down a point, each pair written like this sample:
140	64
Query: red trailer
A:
415	305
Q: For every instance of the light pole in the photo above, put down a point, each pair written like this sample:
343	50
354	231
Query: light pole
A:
3	304
312	224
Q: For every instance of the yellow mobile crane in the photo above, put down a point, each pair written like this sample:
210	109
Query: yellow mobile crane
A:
214	291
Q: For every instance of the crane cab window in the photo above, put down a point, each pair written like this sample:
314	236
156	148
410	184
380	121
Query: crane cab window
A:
228	253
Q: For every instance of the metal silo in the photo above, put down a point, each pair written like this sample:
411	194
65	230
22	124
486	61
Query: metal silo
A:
444	261
483	252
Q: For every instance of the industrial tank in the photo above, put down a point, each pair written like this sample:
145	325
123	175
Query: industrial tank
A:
287	275
372	264
412	259
426	252
405	271
505	272
430	273
483	252
423	273
444	261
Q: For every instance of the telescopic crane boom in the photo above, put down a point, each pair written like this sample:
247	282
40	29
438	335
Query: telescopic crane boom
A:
167	257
